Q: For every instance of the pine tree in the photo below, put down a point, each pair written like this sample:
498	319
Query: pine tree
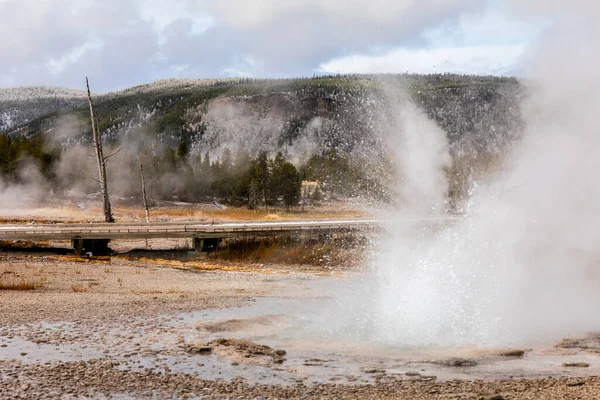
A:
254	194
241	175
226	160
169	160
261	174
183	151
316	197
276	179
291	185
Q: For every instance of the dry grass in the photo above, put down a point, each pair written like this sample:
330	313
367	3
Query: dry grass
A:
88	260
25	279
19	285
265	254
281	215
79	288
69	211
201	264
65	212
197	212
24	244
169	214
26	219
345	251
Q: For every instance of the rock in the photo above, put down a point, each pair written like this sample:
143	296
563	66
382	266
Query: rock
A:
576	365
512	353
199	349
246	350
570	343
372	370
457	362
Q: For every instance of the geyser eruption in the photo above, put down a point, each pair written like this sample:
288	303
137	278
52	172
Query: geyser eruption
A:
420	152
523	265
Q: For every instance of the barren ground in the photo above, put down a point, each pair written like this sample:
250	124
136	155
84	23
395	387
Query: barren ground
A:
124	328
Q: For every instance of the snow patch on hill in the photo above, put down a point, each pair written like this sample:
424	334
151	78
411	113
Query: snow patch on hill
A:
39	92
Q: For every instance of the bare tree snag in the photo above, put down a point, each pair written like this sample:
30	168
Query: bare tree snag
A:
144	195
101	160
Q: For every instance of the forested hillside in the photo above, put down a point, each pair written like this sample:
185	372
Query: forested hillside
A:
202	139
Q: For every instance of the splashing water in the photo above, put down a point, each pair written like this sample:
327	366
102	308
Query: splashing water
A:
523	265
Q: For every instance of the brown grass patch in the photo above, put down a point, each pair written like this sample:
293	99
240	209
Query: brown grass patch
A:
70	214
24	244
281	214
19	285
20	277
196	212
23	220
199	265
343	251
265	254
175	213
79	288
88	260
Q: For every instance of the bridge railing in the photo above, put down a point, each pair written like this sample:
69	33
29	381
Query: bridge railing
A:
112	231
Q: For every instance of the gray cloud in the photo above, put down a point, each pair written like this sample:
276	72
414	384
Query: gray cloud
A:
121	43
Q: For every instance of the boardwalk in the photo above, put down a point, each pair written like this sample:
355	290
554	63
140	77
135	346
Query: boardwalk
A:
175	230
206	236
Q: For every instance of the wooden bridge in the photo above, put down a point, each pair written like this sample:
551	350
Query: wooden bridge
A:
205	236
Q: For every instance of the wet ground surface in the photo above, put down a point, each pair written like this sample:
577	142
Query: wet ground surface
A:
162	344
245	335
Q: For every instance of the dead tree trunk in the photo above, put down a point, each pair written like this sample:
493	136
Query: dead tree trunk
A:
144	195
100	159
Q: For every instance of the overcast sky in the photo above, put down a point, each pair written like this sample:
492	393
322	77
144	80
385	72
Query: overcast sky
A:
121	43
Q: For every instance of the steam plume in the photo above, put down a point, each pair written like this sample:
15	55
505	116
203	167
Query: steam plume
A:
522	266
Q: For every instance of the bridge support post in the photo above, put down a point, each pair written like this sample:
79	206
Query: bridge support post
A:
206	245
77	245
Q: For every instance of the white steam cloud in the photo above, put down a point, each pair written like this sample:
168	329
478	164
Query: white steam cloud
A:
522	266
32	188
420	149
